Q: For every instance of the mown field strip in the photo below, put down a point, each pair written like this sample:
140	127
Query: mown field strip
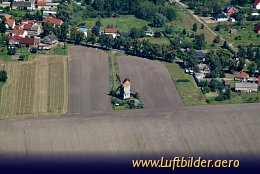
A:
35	87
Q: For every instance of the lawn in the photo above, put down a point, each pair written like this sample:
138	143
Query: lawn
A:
3	54
124	23
186	20
161	40
245	33
237	98
38	87
59	50
186	86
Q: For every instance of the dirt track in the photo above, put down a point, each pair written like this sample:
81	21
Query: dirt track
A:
88	81
152	80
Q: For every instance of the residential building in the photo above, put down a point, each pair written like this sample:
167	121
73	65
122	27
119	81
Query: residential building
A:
21	33
14	40
10	23
246	87
241	76
256	4
54	21
23	5
229	9
149	32
220	17
111	31
30	42
50	39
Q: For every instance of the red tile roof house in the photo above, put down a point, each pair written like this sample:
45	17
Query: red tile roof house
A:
10	23
257	29
21	33
54	21
256	4
241	76
111	31
229	9
14	40
28	41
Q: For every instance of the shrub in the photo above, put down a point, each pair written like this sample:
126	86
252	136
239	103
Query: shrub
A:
3	76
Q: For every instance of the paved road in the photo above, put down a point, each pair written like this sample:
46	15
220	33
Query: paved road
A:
202	130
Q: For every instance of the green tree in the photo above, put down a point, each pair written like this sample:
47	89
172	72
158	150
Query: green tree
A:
2	26
3	76
216	40
158	20
195	27
77	37
47	28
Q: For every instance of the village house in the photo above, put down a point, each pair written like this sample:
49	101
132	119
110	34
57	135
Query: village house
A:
18	32
83	30
246	87
111	31
50	40
220	17
229	9
43	46
30	42
256	4
49	13
31	26
10	23
23	5
257	29
241	76
259	81
204	68
149	32
14	40
125	89
54	21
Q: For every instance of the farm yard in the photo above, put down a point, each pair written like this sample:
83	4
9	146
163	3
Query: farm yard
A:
35	87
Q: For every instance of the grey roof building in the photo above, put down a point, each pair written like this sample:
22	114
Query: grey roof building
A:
246	87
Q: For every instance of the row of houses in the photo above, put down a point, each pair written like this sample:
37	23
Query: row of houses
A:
28	32
34	5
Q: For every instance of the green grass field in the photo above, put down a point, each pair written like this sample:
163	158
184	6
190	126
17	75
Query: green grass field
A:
124	23
186	86
3	54
245	33
186	20
37	87
162	40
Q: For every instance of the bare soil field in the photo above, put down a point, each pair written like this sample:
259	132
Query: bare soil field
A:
152	80
35	87
88	80
181	132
